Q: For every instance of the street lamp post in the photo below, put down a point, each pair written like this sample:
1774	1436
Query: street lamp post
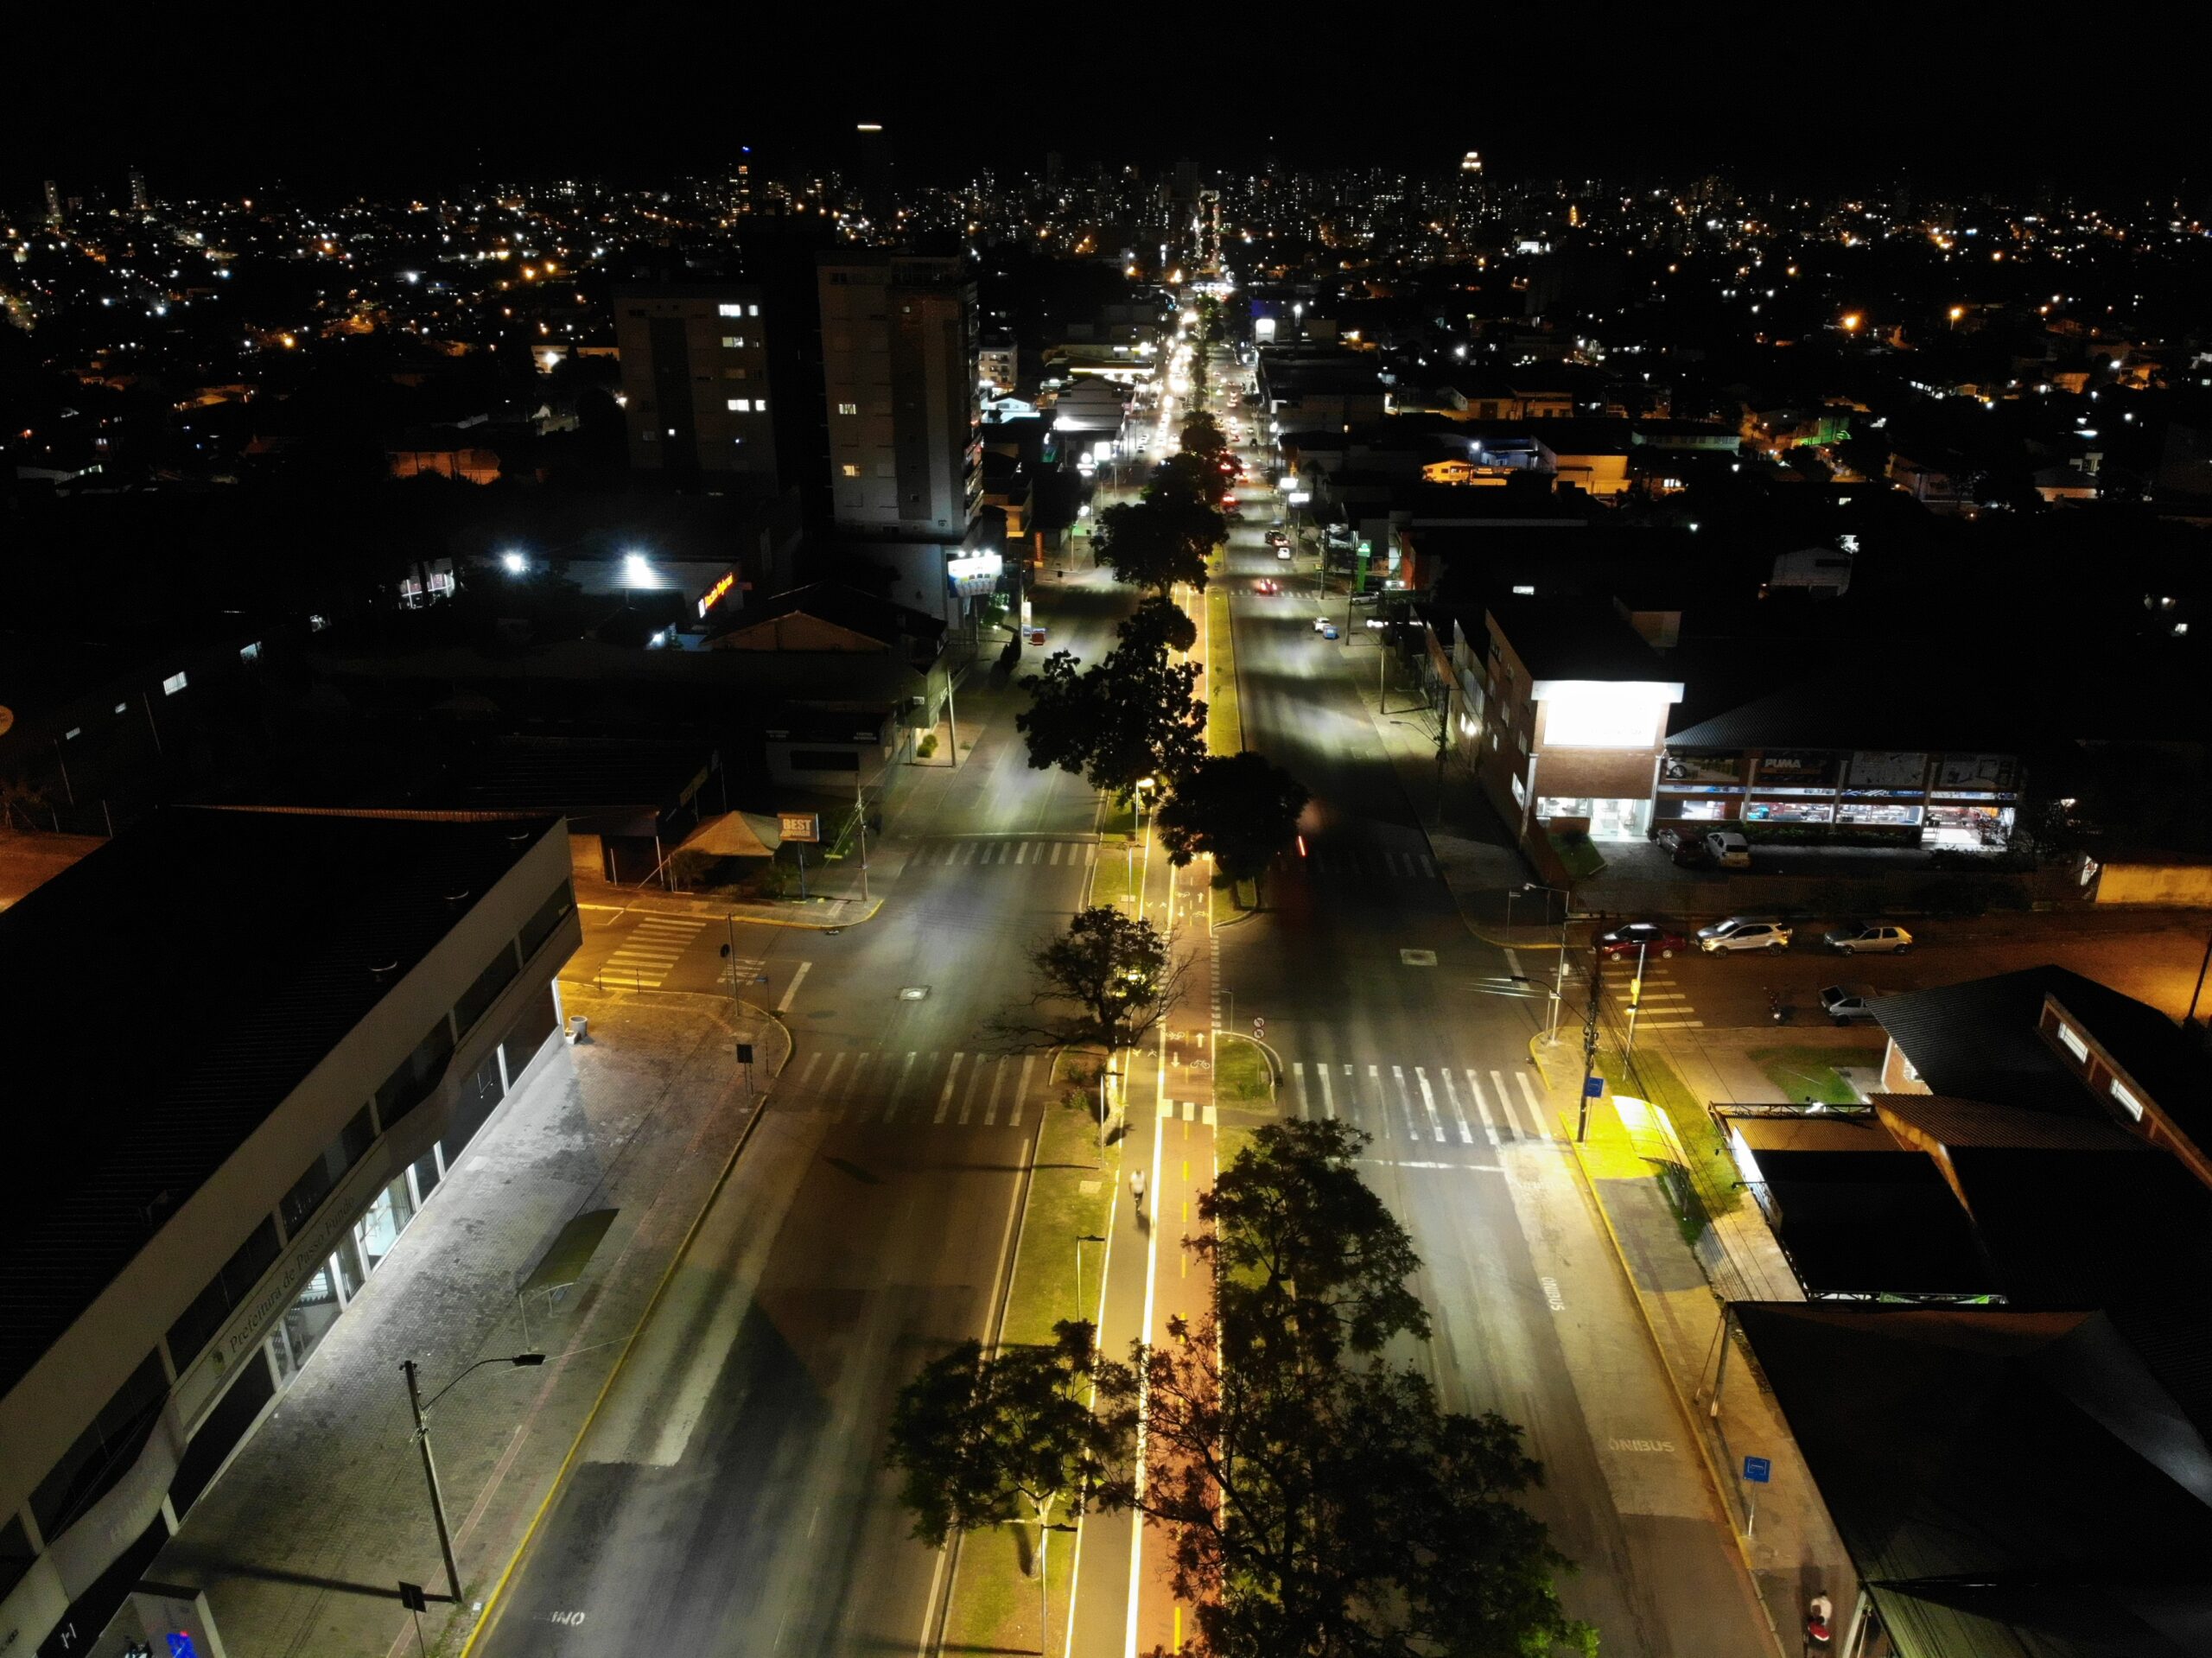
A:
430	1462
1635	996
1559	975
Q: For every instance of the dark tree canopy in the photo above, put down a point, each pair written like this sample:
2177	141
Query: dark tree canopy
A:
1157	544
977	1437
1112	969
1238	809
1134	715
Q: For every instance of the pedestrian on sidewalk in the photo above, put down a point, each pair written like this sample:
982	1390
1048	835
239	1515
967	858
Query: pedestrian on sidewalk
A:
1136	1185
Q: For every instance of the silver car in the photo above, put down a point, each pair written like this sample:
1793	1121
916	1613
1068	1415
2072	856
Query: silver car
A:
1848	1004
1874	937
1741	932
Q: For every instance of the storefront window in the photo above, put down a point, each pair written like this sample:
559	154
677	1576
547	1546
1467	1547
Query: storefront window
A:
378	1230
305	1321
1789	811
1700	811
1562	806
1864	811
1959	825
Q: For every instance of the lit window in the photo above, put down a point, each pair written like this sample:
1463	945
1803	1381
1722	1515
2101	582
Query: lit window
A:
172	684
850	470
730	310
752	310
733	342
759	405
2133	1106
73	731
740	406
2072	1042
250	653
122	707
848	409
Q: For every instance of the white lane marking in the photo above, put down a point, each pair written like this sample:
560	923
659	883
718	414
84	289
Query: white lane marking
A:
1400	1163
1328	1099
1298	1076
1090	852
951	1076
998	1087
1381	1105
1513	964
1553	1299
898	1088
1505	1102
1021	1091
1151	1281
1405	1099
1670	1025
1482	1108
830	1076
790	990
1021	853
974	1084
852	1079
1058	847
1428	1099
1535	1109
806	1071
1451	1095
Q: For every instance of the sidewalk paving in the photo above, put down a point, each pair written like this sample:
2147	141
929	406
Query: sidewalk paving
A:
301	1542
1788	1543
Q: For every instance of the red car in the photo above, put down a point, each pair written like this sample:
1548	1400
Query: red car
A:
1646	938
1268	587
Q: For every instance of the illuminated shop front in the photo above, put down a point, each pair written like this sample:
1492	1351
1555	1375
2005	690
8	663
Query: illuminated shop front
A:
1903	797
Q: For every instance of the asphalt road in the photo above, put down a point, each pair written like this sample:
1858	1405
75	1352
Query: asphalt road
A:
730	1495
1386	1011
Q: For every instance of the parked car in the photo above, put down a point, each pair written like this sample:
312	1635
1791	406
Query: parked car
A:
1741	932
1686	847
1872	937
1640	939
1848	1004
1728	849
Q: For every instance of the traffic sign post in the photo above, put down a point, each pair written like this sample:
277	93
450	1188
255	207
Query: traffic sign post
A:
1757	1471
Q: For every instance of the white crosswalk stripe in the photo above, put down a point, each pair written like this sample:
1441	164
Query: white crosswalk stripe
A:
644	958
1432	1104
915	1088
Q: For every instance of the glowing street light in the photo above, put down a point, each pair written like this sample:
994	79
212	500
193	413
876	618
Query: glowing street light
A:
514	561
1851	321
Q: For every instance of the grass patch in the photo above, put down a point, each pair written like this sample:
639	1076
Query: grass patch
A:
994	1603
1120	818
1711	1170
1119	872
1580	853
1806	1073
1224	721
1241	1075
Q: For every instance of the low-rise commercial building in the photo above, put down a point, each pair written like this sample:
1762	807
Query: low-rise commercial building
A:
251	1044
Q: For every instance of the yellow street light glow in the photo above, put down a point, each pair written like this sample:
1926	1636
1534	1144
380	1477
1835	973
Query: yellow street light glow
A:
1851	321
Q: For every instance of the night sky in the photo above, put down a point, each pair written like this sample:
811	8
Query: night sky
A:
411	100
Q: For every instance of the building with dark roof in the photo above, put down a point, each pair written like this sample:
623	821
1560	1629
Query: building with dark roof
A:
263	1035
2036	1485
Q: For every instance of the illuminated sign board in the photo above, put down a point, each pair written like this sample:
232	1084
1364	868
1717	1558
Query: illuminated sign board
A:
974	564
799	826
716	593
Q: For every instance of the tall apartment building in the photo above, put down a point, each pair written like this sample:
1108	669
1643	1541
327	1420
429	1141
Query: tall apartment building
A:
899	366
695	381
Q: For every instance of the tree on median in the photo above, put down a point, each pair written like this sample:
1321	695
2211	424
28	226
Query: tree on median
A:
999	1439
1239	809
1134	715
1114	970
1336	1512
1157	544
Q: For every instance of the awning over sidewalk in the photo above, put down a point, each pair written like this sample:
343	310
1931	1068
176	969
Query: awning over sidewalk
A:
734	834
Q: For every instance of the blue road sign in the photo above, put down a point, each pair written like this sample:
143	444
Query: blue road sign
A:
1594	1087
1757	1469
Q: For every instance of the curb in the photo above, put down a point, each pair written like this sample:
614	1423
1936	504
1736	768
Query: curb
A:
1275	1060
1720	1487
492	1600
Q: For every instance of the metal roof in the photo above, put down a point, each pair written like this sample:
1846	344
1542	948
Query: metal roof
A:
166	993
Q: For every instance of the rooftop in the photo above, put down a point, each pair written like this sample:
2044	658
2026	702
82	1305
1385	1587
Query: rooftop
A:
1978	1041
173	987
1575	641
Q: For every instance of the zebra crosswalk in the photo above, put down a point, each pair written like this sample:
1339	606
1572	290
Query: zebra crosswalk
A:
1440	1105
646	957
1008	849
1371	863
915	1087
1663	1005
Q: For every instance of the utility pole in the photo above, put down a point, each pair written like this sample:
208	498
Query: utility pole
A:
430	1474
1589	1042
1634	996
860	828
